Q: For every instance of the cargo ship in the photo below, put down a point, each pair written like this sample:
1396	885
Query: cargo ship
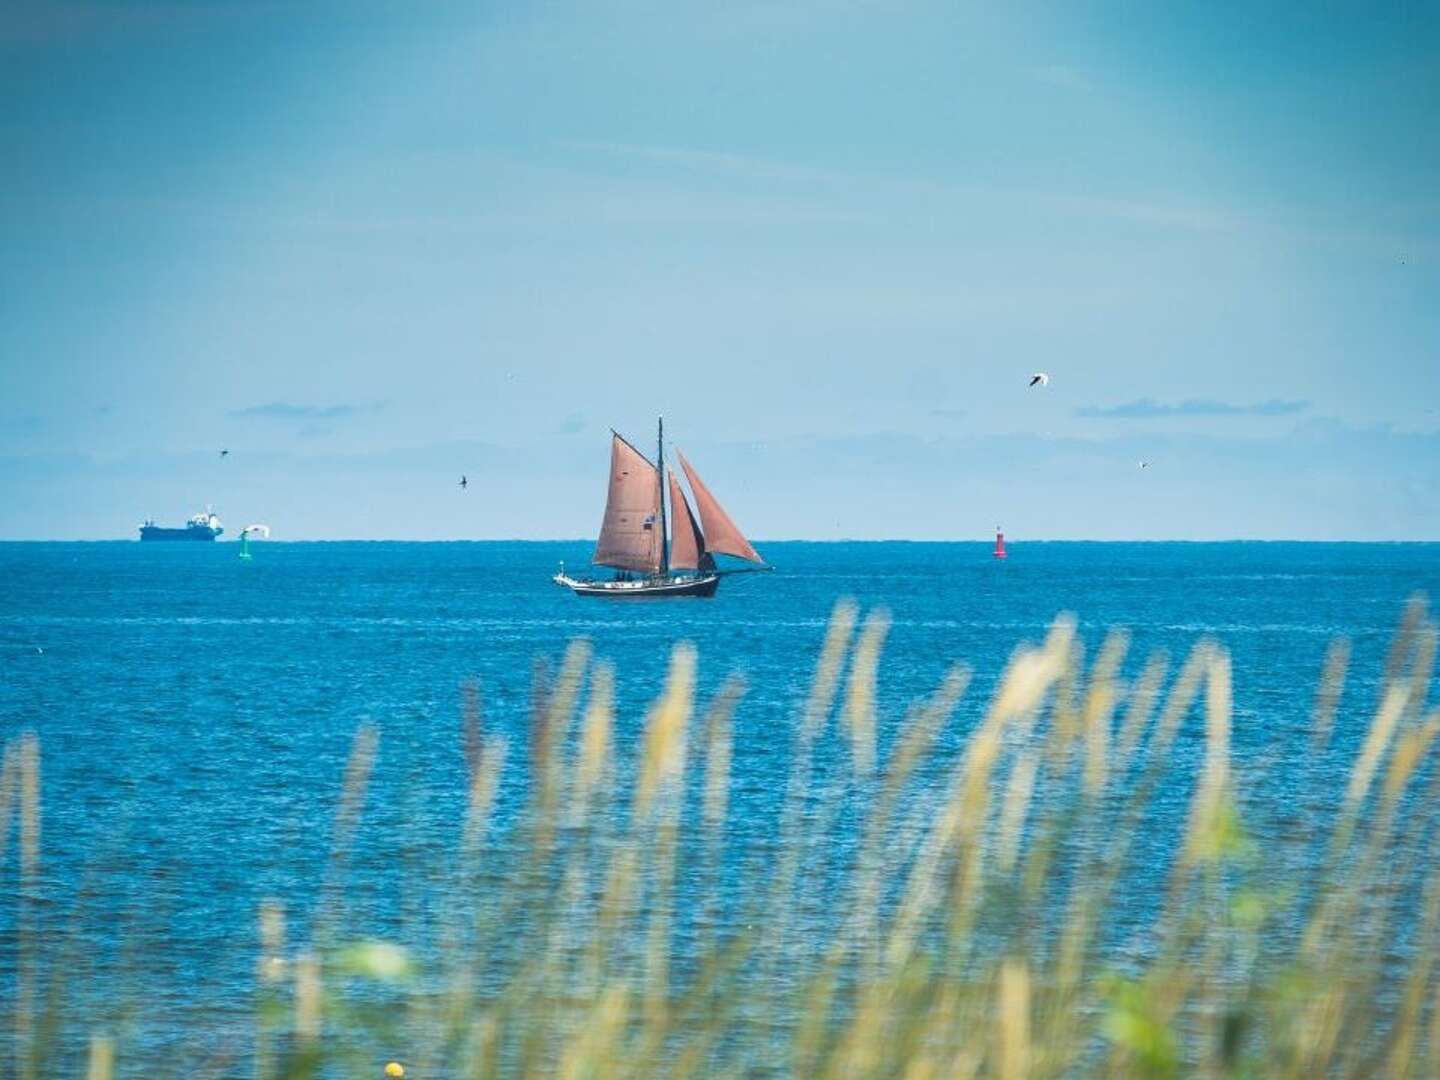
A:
204	526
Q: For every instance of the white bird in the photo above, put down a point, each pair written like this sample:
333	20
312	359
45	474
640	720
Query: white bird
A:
1040	378
1144	464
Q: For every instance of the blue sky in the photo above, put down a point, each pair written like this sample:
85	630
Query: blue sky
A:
368	247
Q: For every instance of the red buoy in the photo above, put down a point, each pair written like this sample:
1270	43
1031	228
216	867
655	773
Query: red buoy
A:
999	543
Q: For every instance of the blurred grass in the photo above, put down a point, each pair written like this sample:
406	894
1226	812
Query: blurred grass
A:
978	919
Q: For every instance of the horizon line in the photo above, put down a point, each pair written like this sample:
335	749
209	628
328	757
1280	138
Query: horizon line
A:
985	540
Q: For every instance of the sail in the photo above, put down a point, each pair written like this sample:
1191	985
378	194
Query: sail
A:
721	534
686	542
630	533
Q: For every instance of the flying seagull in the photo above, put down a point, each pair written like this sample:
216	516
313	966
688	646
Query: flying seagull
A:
464	483
1144	464
1040	378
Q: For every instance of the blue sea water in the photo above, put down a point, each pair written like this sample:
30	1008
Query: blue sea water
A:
195	711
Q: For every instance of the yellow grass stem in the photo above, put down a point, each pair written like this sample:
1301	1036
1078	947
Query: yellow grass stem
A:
595	734
1406	1034
1202	838
718	752
657	953
919	735
270	973
1410	750
554	720
28	781
860	698
1332	685
1142	703
1013	1008
1422	668
358	768
272	942
791	842
827	670
484	1047
810	1035
715	799
1377	741
597	1052
484	783
307	997
9	783
1099	708
1404	642
101	1065
915	740
1182	695
1030	675
663	759
29	761
1012	813
1066	711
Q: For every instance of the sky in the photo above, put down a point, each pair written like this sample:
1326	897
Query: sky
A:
368	247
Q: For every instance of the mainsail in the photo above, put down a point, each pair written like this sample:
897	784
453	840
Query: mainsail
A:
721	534
686	542
630	533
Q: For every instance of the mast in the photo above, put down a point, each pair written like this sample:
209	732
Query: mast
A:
660	480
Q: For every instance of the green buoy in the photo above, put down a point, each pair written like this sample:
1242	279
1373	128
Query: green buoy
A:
262	531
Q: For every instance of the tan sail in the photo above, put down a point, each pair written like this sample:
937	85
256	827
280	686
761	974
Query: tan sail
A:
686	542
630	533
721	534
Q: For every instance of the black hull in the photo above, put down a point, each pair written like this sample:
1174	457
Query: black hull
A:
653	589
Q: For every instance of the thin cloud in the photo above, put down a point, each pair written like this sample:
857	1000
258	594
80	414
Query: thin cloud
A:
284	410
842	184
689	157
1149	409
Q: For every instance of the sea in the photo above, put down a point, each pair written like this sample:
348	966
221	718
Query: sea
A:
195	711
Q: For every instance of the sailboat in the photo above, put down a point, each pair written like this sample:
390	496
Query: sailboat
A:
634	539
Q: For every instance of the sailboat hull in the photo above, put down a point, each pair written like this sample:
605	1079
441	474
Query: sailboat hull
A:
643	589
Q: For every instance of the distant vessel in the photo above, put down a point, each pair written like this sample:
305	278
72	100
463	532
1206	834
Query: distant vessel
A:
999	552
204	526
634	539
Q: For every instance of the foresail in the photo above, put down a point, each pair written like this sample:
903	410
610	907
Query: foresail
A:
686	542
721	534
630	533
